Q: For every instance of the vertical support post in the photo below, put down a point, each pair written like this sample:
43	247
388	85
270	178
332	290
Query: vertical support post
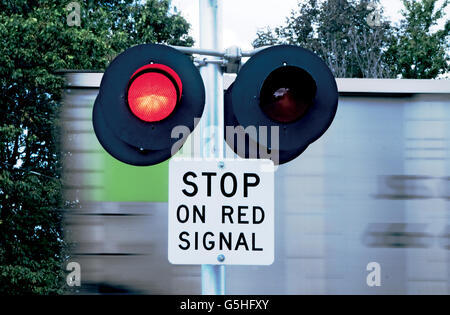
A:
212	123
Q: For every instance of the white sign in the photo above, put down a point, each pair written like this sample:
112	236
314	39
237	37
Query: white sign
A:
221	212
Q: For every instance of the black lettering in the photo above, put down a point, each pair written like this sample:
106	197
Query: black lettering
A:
184	240
186	216
222	185
250	184
227	214
242	214
241	241
209	176
254	245
222	240
199	214
261	220
211	243
194	186
196	241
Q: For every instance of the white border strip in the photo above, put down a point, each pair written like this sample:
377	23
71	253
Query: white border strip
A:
395	86
382	86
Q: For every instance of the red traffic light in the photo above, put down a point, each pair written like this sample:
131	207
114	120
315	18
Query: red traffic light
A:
146	92
153	92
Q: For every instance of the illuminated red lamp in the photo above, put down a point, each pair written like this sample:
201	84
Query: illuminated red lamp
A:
153	92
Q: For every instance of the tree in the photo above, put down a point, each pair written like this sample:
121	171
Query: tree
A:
417	52
35	41
340	33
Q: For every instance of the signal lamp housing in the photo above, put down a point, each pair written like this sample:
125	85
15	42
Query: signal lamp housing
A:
146	92
286	87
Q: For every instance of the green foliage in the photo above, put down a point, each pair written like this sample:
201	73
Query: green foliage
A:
35	41
340	33
418	52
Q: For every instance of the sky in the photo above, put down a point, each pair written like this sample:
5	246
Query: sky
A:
243	18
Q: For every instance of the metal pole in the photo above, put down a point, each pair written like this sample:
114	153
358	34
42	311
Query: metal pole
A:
199	51
211	126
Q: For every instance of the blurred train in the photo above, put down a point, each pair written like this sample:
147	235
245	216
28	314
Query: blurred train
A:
374	188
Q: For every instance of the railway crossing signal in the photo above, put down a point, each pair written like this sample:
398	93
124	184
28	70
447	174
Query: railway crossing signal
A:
146	92
283	99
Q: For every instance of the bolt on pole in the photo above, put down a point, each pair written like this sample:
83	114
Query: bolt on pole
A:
212	123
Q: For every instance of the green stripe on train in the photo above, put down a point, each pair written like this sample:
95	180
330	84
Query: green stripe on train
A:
126	183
